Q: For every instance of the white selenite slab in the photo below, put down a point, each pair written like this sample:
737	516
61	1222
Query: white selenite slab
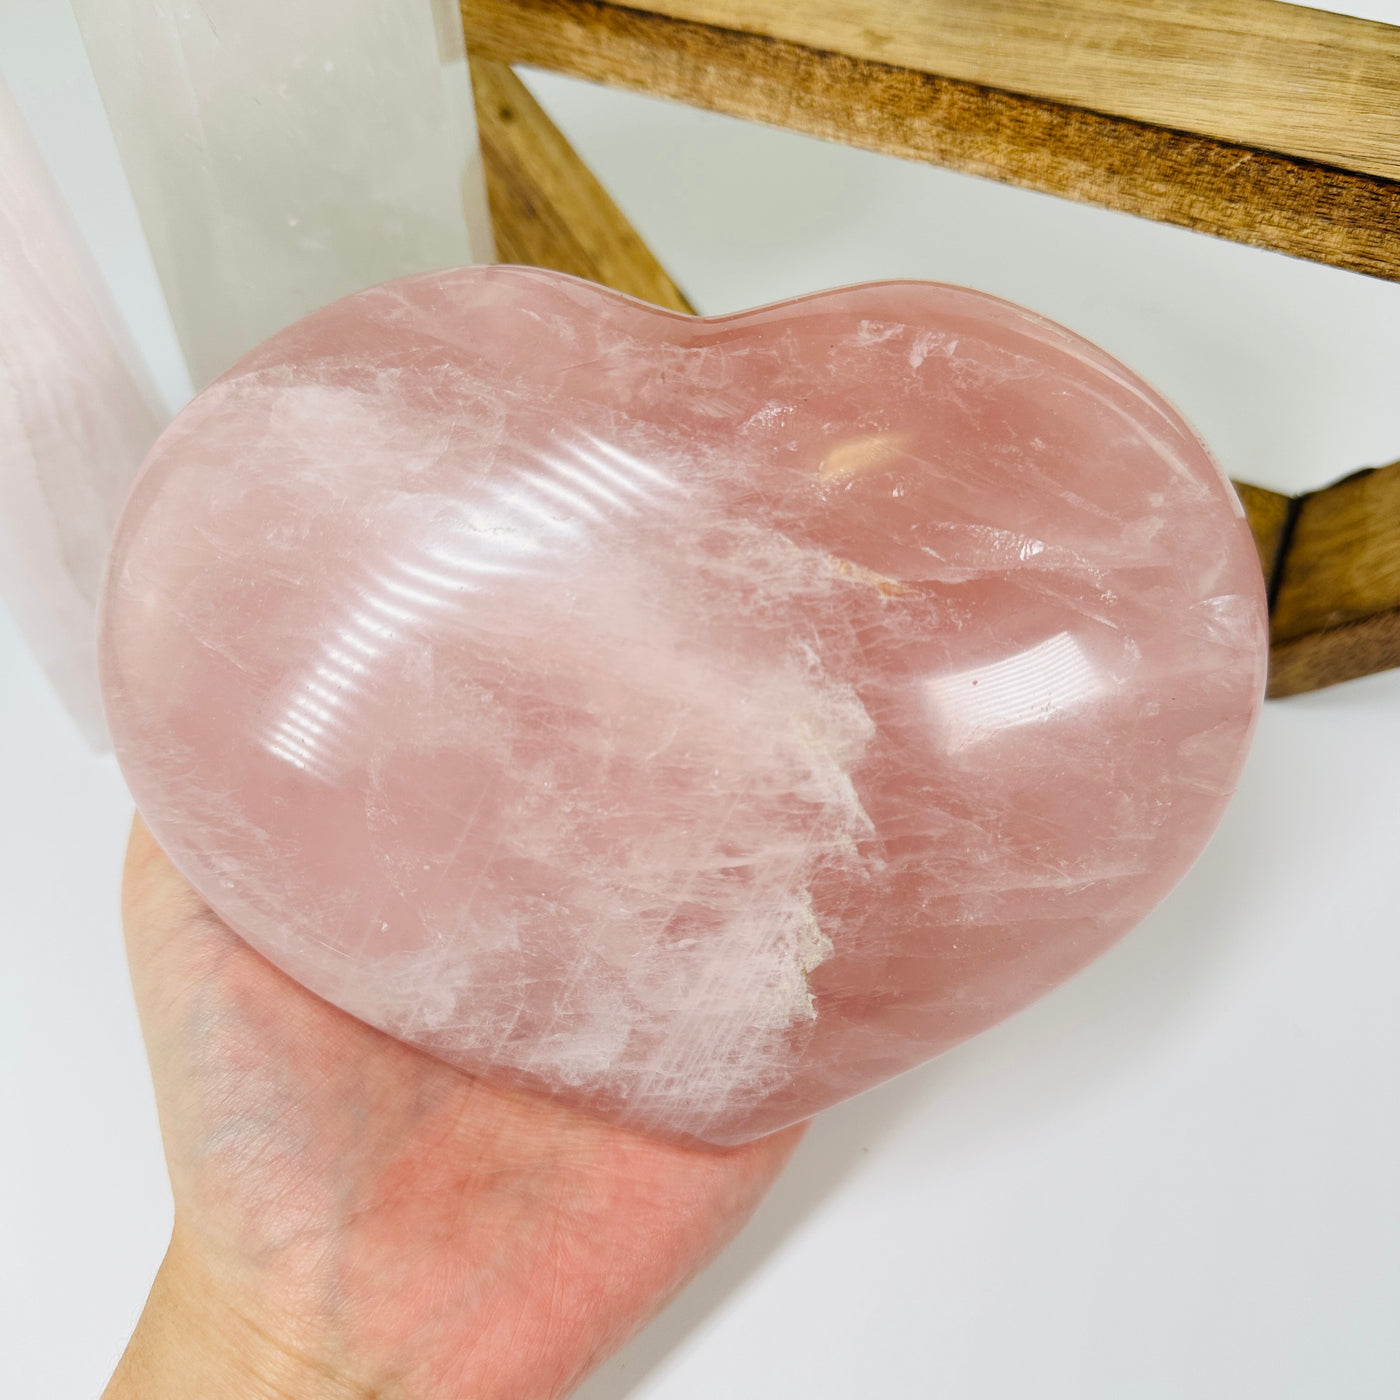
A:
284	153
77	415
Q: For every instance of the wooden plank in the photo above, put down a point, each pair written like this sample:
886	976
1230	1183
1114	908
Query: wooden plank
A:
1343	557
1256	73
1336	611
547	208
1362	648
1270	514
1270	201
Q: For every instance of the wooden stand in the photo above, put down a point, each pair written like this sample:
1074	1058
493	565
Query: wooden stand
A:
1251	120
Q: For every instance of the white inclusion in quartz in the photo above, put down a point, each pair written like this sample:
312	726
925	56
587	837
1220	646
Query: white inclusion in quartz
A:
685	1027
284	153
682	949
1032	686
77	415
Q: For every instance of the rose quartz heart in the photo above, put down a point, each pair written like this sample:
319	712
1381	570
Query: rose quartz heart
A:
699	721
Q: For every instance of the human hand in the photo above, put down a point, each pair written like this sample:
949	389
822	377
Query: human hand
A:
354	1218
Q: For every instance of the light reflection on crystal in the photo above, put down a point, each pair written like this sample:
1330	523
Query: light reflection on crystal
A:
1040	683
496	533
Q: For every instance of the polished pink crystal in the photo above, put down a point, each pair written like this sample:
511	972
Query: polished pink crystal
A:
699	721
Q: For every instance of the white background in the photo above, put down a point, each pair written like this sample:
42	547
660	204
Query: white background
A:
1178	1176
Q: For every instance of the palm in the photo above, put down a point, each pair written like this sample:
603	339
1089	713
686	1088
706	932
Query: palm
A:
428	1235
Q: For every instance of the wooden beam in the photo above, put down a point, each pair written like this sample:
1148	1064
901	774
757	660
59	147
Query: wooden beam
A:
1283	202
1336	609
1270	514
547	208
1257	73
1339	654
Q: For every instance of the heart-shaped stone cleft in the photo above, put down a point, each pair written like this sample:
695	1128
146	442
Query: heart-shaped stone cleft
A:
696	720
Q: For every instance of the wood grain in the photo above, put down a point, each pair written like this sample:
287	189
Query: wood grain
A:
1267	200
1336	611
547	208
1251	72
1343	559
1362	648
1270	516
